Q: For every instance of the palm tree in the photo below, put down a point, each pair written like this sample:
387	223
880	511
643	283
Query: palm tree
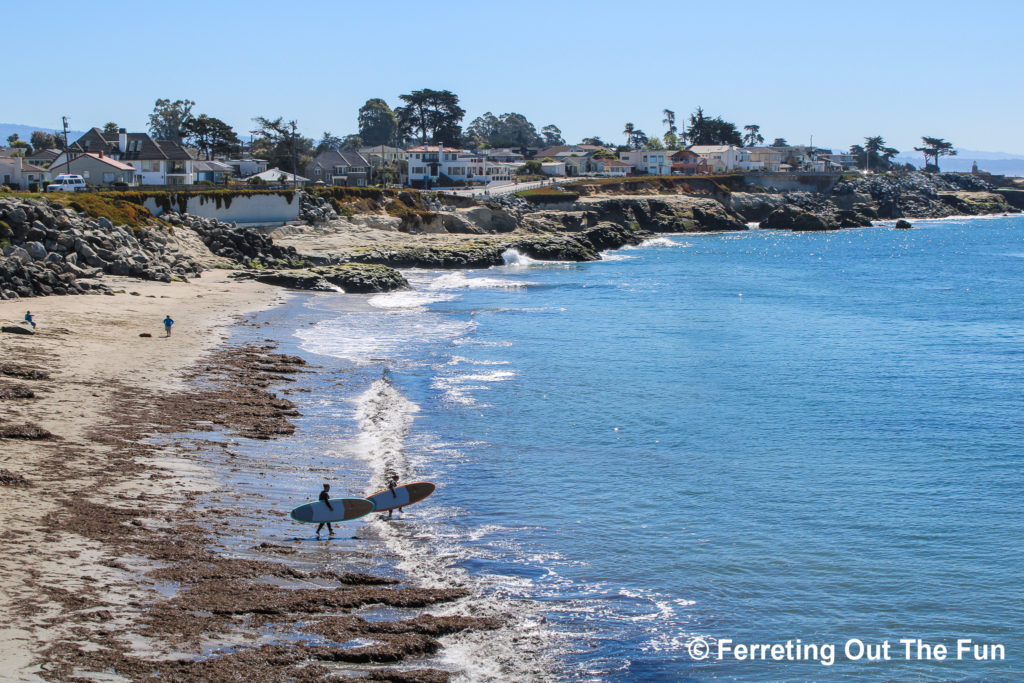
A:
669	120
628	132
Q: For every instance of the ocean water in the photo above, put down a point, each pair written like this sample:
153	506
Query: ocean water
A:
708	440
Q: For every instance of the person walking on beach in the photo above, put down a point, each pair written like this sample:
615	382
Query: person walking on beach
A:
29	320
167	325
326	497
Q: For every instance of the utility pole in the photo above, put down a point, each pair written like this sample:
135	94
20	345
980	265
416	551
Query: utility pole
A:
67	148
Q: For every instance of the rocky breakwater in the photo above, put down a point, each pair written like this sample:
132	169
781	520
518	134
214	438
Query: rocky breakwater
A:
242	246
49	249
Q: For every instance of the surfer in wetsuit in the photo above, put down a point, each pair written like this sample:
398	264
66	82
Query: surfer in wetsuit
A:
392	483
326	497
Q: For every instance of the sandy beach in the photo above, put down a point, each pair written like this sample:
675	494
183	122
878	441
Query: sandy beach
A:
112	565
86	351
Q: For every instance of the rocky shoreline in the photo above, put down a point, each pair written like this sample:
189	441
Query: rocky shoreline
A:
49	249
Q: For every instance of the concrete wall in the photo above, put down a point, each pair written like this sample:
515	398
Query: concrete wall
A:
262	209
793	182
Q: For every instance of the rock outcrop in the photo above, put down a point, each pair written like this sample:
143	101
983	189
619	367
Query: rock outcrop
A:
678	213
794	218
54	250
352	278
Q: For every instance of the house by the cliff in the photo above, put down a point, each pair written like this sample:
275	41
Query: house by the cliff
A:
156	162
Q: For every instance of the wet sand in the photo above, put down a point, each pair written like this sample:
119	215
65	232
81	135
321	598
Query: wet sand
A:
109	566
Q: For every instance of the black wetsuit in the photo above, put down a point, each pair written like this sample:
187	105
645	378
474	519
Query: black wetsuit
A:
325	497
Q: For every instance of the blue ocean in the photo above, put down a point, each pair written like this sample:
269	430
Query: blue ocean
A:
709	457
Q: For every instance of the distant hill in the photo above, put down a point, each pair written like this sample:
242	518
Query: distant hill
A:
999	163
25	132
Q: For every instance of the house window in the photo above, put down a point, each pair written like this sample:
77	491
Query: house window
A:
108	177
419	170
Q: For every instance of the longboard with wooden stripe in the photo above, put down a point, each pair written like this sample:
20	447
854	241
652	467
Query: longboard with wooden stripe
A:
402	495
344	509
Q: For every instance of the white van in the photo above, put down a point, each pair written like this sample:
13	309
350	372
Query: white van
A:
67	182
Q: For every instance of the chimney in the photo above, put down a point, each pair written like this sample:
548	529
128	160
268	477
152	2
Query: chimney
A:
122	140
101	154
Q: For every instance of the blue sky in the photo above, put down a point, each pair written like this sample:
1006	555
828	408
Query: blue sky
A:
837	71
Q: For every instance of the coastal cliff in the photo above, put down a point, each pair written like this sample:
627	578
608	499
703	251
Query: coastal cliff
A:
54	248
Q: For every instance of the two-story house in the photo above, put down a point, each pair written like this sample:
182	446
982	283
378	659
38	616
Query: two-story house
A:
339	168
688	162
726	158
435	164
770	158
648	161
155	162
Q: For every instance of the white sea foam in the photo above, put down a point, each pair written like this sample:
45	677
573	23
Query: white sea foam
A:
616	256
516	259
433	550
662	242
459	280
408	299
384	416
460	360
459	388
390	334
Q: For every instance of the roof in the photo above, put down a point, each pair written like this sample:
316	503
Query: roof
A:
611	162
377	149
217	166
273	175
433	148
561	149
708	149
333	157
140	146
44	154
106	160
30	168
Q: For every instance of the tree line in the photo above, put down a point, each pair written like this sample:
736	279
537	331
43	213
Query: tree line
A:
435	117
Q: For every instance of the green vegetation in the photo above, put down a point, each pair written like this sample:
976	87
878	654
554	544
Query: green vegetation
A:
548	195
98	205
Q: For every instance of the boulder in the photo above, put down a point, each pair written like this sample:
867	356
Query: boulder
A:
903	225
15	329
36	250
797	219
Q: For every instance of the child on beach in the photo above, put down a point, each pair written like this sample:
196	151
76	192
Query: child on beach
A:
167	325
29	320
325	497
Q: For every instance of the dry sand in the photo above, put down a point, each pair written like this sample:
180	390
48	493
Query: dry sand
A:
91	349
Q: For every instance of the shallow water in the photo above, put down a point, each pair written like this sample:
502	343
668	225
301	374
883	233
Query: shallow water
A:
759	436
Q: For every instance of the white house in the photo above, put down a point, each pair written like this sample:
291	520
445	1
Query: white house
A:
14	172
428	163
610	167
726	158
553	168
243	168
275	176
649	161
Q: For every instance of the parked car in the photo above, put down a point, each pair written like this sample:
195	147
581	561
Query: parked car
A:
67	182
